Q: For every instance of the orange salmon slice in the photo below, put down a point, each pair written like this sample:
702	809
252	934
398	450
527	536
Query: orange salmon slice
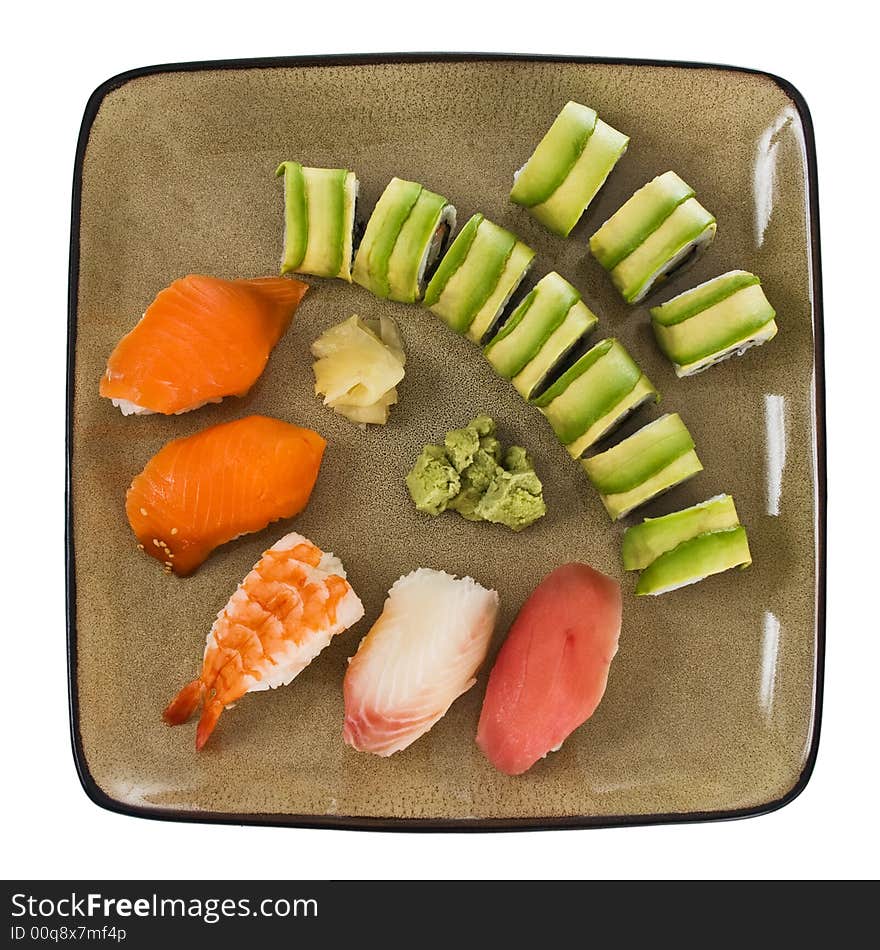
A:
201	339
203	490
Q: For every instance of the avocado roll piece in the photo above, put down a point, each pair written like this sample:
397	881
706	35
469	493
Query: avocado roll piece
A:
720	318
477	277
319	210
594	395
406	234
568	167
696	559
651	461
548	322
644	543
653	234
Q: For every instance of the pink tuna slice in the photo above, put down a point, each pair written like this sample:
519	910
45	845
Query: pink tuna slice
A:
552	669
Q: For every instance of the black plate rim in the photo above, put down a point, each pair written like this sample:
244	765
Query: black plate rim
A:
364	823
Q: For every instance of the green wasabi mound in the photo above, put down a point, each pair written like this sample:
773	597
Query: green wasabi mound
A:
720	318
472	474
687	546
433	481
654	233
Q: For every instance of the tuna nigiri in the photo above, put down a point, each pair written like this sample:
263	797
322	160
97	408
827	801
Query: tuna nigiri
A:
227	480
294	601
418	658
201	339
551	671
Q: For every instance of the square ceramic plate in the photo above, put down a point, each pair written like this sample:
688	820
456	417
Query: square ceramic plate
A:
712	708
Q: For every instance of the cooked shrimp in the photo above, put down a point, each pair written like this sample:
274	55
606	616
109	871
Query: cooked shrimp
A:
287	609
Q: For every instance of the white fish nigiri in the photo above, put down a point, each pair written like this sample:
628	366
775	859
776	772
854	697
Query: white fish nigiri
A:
418	658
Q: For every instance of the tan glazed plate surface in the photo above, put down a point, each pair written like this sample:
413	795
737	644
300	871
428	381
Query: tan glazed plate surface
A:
712	707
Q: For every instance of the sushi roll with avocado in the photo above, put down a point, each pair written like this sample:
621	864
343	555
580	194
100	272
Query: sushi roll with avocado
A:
656	232
651	461
319	207
477	277
405	236
686	546
720	318
568	168
545	326
594	396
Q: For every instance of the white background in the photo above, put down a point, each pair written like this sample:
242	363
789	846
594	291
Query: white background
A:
52	59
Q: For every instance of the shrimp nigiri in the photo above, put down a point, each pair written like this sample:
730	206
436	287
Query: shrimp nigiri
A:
418	658
287	609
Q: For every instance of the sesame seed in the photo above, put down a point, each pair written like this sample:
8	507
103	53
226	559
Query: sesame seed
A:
140	547
156	542
174	531
144	512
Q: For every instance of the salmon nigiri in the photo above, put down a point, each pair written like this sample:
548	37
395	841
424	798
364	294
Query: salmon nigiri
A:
418	658
201	339
288	608
203	490
552	669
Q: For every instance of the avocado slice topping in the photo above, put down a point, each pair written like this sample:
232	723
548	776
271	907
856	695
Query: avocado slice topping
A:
452	260
578	322
318	220
562	210
637	218
735	348
676	472
695	559
405	262
589	389
471	284
701	297
716	328
388	217
531	324
704	325
515	269
687	231
554	156
499	361
325	199
641	393
296	216
636	459
644	543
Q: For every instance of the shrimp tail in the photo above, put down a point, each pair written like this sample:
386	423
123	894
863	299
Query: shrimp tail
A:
184	703
210	714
